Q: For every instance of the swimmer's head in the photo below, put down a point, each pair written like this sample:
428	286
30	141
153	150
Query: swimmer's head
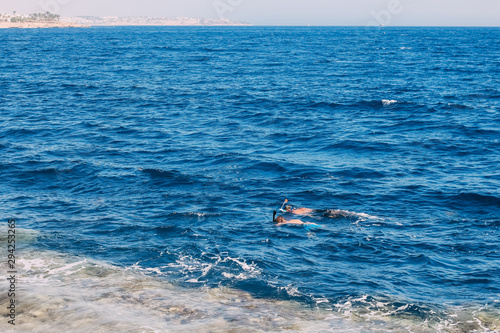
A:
280	219
288	208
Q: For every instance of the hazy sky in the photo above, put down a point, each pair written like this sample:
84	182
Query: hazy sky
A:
282	12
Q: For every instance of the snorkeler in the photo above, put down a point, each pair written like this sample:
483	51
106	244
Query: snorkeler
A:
332	213
298	211
293	210
280	220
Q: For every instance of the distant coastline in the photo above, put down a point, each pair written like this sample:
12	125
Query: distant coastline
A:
89	21
24	25
36	20
150	21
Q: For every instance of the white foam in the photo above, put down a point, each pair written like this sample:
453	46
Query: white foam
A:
196	270
60	293
345	213
22	235
387	102
68	294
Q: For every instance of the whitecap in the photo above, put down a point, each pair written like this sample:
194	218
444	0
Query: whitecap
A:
61	293
387	102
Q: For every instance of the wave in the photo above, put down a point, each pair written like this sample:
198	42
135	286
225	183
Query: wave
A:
128	300
199	58
388	102
384	103
23	235
331	105
170	177
267	166
360	145
393	315
455	106
204	269
160	173
339	213
477	199
132	300
359	173
309	105
378	104
213	49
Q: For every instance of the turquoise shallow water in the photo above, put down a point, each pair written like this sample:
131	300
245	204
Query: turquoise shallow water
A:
157	155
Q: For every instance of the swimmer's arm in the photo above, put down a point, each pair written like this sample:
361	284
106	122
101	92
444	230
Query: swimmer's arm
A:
302	211
296	222
299	222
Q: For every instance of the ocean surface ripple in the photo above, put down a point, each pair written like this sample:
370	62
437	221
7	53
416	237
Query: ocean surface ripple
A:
157	155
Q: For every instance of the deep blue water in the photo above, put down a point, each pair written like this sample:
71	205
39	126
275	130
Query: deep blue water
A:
167	149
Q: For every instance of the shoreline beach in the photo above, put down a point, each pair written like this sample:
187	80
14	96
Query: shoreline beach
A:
48	20
23	25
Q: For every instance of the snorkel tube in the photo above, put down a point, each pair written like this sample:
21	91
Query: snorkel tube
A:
281	209
274	216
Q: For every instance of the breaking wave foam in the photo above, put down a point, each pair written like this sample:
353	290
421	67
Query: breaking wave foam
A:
63	293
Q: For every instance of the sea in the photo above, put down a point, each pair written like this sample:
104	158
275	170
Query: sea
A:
142	166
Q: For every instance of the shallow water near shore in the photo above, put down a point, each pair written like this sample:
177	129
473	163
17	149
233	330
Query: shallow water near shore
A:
143	164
